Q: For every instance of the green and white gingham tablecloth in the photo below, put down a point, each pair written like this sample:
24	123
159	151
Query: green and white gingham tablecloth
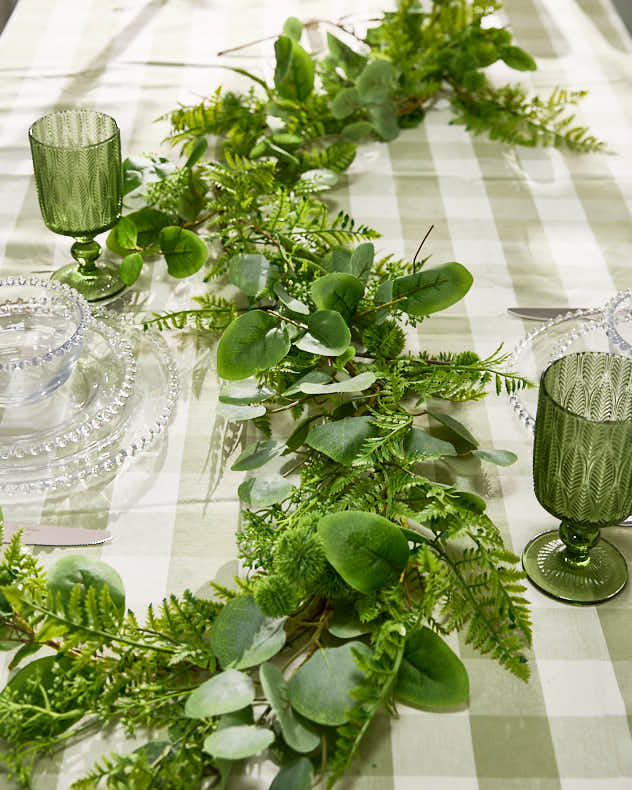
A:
536	227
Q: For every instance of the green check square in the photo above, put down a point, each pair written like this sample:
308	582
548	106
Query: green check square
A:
513	747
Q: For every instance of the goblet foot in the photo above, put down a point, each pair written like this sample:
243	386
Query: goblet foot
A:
545	562
103	281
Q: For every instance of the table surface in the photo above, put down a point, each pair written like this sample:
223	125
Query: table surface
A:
536	227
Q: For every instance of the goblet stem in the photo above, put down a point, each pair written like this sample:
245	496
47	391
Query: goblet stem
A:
85	251
578	541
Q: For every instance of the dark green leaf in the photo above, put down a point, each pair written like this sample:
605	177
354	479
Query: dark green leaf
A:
197	151
264	491
243	636
376	81
184	251
258	454
455	427
223	693
254	341
329	331
342	439
431	290
299	434
87	572
421	445
431	675
357	131
191	201
294	72
384	120
320	690
499	457
252	273
346	102
338	260
148	222
367	550
345	623
346	356
132	176
362	261
294	776
337	291
298	736
131	267
517	58
352	62
295	305
293	28
235	743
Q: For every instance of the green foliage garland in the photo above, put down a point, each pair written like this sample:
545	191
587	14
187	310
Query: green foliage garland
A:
358	558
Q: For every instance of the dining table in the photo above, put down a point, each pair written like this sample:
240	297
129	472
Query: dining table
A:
536	227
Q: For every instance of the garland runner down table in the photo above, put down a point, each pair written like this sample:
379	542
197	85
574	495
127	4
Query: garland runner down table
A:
526	224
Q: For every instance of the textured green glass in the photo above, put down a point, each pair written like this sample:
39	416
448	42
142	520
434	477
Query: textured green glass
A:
582	474
77	165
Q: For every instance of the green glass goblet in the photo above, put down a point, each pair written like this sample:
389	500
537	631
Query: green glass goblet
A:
77	165
582	474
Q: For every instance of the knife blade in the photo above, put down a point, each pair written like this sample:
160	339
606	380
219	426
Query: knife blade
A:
544	313
51	535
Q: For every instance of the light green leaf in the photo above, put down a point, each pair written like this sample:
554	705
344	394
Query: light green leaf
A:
321	178
338	260
499	457
351	61
293	28
431	674
362	261
419	444
342	439
264	491
320	690
295	305
346	102
251	272
197	151
132	176
131	267
148	221
314	376
244	392
258	454
376	81
243	636
297	735
294	776
254	341
337	291
357	131
367	550
87	572
384	120
235	743
346	356
517	58
354	384
455	427
294	72
126	233
223	693
431	290
328	334
184	251
235	413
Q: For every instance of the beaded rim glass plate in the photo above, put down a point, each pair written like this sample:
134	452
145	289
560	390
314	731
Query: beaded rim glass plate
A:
90	400
148	411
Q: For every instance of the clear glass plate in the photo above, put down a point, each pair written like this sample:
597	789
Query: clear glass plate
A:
143	418
92	400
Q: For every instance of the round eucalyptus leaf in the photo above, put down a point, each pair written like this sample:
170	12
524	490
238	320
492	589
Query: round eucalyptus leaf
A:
148	221
341	439
184	251
251	273
367	550
87	572
357	131
235	743
337	291
236	413
346	101
455	427
320	690
258	454
244	392
223	693
362	261
384	120
431	290
376	81
314	376
294	776
328	334
254	341
295	305
298	736
354	384
421	445
243	636
499	457
345	624
265	490
431	674
131	267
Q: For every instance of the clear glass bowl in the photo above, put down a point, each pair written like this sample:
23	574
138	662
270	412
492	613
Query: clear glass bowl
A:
42	329
619	323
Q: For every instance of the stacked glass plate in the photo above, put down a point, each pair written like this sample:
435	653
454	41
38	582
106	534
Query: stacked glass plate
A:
79	394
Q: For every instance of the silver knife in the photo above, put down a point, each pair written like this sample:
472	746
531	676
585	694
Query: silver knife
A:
544	313
51	535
